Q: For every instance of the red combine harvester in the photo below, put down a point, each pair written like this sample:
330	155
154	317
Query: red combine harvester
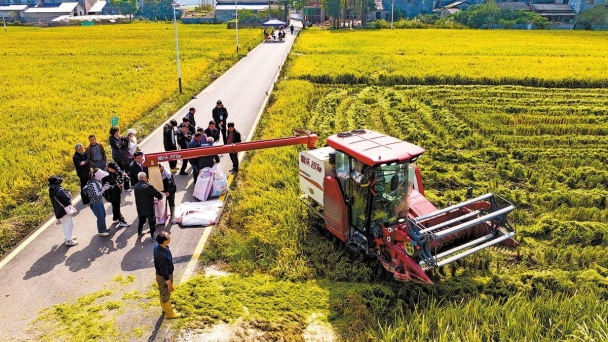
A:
367	189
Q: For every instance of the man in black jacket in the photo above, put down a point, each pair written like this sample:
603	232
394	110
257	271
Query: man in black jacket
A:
145	194
233	137
170	141
220	115
81	163
183	139
211	131
137	166
191	121
115	179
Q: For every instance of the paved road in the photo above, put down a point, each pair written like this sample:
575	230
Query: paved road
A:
44	272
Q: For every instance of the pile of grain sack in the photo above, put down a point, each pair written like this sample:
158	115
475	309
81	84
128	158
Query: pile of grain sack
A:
211	183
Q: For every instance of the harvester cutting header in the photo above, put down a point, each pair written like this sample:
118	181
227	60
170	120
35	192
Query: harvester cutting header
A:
370	194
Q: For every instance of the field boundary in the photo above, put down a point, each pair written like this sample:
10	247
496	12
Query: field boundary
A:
396	80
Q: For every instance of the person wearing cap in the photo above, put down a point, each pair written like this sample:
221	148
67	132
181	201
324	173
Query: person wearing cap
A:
60	198
183	139
114	194
81	164
129	147
95	192
137	166
96	153
220	116
191	121
163	265
194	162
233	137
144	202
170	131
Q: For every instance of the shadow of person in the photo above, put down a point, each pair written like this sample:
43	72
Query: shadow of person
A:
47	262
140	256
85	257
125	234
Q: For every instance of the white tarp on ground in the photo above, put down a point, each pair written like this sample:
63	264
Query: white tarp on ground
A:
198	213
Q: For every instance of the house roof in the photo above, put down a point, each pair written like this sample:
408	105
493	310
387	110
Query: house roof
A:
242	2
98	7
373	148
12	8
241	7
64	7
516	6
450	10
552	9
457	4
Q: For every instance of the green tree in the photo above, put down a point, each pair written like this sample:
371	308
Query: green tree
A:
129	7
598	15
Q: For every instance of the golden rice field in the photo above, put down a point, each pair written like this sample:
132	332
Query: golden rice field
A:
434	56
542	148
59	85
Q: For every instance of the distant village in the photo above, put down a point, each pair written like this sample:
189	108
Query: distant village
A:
46	12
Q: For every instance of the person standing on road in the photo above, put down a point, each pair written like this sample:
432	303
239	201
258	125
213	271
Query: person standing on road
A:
183	139
137	166
291	29
60	198
163	265
81	163
233	137
95	192
220	115
212	132
194	162
170	141
144	201
128	146
114	194
191	121
169	188
96	153
115	142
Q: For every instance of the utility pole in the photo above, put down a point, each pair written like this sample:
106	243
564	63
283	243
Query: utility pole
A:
3	22
179	69
236	11
392	12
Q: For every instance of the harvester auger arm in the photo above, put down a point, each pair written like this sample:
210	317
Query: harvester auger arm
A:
152	160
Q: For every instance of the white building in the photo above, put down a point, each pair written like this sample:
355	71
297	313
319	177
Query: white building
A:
48	12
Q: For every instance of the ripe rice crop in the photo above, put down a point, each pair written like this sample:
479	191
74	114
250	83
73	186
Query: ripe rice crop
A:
60	85
542	148
434	57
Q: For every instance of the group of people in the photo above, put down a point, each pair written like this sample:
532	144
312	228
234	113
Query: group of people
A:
100	179
270	34
188	135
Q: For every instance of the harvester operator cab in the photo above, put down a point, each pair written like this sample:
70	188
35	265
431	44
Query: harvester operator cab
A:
376	195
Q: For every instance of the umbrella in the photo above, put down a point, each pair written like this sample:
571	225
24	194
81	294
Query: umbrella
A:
273	22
